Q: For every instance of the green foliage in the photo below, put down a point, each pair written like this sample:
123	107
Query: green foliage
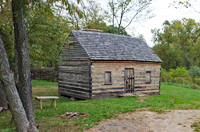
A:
6	31
109	29
163	72
47	30
177	76
194	71
178	43
142	37
47	33
178	72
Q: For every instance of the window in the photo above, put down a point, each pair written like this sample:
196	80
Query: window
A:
148	77
108	79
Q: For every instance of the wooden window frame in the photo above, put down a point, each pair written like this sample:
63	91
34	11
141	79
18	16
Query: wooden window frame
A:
108	83
148	82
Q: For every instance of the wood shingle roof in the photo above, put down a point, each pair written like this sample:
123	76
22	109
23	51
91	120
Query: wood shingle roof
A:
104	46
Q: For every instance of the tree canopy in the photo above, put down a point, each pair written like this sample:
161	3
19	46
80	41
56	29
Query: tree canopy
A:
178	43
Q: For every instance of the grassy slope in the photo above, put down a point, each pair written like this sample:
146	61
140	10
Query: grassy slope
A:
172	97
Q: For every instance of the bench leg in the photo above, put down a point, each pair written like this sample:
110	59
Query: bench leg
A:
40	104
52	102
55	103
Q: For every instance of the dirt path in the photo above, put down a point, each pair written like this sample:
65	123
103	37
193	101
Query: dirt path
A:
147	121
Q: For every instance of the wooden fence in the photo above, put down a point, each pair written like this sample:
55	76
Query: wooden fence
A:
49	74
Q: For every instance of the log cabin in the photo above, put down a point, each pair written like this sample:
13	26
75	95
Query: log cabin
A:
102	65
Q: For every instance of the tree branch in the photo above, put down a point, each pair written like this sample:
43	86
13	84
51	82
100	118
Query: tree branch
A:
138	11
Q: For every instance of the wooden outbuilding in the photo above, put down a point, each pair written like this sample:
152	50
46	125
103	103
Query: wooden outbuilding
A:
102	65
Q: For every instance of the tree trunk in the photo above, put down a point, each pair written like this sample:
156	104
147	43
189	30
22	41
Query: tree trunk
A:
16	75
3	100
185	58
113	9
6	77
119	27
24	86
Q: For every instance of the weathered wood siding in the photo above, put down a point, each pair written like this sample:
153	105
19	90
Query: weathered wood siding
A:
117	68
74	71
76	52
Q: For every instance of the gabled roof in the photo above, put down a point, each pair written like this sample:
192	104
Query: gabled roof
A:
104	46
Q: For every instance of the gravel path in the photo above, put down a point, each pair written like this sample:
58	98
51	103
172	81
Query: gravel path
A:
147	121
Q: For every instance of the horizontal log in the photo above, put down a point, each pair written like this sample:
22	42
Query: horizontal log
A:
75	95
75	92
113	83
107	86
70	71
113	90
84	68
75	62
113	76
85	79
102	79
73	85
72	89
136	77
105	93
73	75
74	81
104	89
105	96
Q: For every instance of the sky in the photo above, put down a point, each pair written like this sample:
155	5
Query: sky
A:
162	11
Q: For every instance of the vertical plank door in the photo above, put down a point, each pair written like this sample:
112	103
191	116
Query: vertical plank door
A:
129	80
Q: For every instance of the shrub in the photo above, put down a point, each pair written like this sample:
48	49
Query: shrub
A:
163	72
196	80
178	72
194	72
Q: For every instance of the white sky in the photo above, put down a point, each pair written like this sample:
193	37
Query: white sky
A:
162	12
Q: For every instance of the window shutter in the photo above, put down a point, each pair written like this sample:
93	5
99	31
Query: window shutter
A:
107	77
148	77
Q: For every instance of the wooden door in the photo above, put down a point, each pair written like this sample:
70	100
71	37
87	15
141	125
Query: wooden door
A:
129	80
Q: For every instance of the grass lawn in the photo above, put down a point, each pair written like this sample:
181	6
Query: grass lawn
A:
48	119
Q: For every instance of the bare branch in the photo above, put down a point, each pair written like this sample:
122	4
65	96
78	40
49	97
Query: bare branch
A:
195	10
138	11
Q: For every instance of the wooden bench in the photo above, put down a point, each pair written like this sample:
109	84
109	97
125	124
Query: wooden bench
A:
46	97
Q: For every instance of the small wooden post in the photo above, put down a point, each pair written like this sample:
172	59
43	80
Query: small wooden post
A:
40	104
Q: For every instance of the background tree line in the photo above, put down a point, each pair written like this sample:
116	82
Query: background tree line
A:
178	43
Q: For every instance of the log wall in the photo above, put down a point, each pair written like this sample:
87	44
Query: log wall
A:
74	72
74	79
117	68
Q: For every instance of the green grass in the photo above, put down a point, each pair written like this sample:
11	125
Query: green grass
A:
172	97
197	126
